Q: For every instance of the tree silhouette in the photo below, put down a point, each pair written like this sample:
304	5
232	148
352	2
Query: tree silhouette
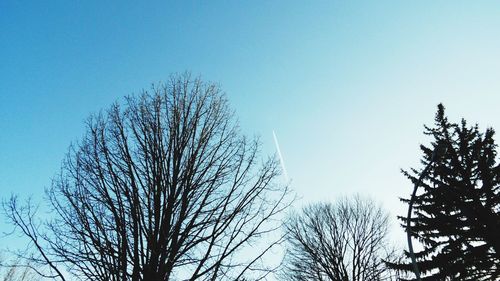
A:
457	213
346	240
10	272
163	188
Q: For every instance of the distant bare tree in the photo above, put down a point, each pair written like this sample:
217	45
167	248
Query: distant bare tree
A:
16	273
163	188
343	241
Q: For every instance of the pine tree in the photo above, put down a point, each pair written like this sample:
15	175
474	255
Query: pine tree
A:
456	214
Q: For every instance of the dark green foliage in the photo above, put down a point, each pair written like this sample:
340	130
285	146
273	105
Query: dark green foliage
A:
457	211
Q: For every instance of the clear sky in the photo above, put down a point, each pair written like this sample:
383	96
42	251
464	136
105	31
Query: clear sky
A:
346	85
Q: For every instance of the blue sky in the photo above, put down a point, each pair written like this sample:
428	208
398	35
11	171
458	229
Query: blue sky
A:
346	85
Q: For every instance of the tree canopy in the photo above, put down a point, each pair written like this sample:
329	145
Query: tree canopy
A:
162	187
344	240
457	212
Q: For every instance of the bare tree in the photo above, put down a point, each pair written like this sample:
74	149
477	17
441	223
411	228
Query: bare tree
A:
9	272
164	187
343	241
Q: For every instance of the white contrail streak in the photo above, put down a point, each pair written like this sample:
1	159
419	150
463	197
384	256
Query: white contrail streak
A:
282	162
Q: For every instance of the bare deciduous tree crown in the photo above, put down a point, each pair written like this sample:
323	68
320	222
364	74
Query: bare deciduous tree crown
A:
345	240
162	187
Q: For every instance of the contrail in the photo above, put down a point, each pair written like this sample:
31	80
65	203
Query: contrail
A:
280	156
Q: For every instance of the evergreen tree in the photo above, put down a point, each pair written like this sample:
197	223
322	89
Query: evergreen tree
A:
456	214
